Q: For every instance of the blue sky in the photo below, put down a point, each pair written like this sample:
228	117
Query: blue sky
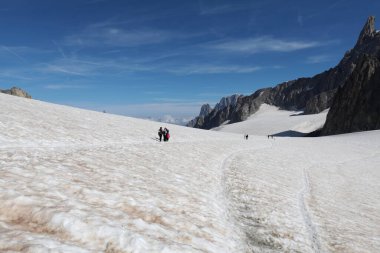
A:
153	58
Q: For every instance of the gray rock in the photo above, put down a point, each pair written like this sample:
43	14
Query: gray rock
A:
16	92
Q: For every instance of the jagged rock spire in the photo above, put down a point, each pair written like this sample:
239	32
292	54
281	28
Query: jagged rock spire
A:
368	30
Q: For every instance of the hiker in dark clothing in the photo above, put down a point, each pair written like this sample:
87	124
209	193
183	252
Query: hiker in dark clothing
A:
160	133
166	134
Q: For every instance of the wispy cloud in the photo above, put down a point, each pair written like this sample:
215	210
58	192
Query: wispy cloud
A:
97	66
117	34
13	52
117	37
70	70
17	74
263	44
59	48
213	69
63	86
319	59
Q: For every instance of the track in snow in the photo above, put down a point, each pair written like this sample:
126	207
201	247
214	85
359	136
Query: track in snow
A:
313	234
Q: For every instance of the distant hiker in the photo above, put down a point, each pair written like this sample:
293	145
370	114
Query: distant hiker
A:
160	133
246	137
268	136
166	134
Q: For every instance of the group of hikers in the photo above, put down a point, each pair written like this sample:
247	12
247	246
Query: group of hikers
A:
163	133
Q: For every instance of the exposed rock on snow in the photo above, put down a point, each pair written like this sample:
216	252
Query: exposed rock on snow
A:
16	92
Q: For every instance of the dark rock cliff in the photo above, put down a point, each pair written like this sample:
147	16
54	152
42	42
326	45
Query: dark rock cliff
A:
312	95
356	106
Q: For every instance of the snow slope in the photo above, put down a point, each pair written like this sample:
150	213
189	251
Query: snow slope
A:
270	120
73	180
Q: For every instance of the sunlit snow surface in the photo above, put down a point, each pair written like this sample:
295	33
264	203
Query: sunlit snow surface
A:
270	120
78	181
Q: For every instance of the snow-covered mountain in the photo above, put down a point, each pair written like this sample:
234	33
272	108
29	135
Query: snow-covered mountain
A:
73	180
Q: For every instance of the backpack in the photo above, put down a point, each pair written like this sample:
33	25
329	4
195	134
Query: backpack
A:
167	136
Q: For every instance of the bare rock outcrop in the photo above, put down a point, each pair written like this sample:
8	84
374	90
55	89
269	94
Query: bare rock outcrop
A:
15	91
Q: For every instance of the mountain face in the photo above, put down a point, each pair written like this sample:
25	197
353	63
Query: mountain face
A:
227	101
312	95
16	92
356	106
206	109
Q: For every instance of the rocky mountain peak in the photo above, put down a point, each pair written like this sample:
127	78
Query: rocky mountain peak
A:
368	30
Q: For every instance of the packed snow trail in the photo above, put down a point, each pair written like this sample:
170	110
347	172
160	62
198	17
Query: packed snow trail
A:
331	207
266	217
313	234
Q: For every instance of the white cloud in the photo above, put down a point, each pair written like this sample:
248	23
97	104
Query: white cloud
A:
263	44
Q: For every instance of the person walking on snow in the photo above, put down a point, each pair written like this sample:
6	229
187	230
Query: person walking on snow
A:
160	133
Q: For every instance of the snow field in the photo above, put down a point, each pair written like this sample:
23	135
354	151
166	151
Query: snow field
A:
270	120
309	195
73	180
97	197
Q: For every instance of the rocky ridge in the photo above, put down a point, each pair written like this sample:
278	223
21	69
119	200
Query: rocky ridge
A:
356	106
312	95
206	109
